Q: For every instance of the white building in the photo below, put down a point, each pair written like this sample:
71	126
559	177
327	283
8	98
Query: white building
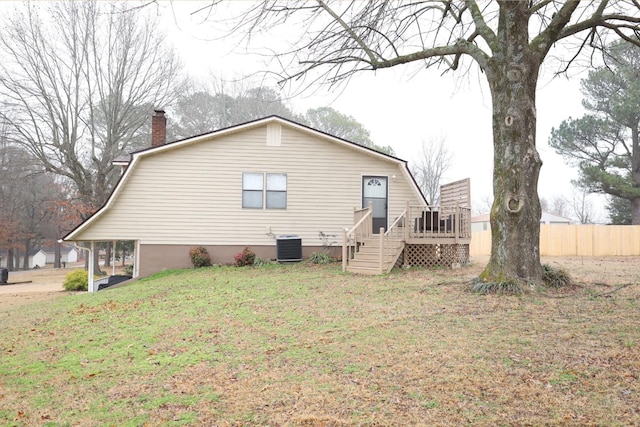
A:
481	222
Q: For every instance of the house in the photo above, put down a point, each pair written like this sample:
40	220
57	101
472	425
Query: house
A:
246	185
68	254
481	222
37	259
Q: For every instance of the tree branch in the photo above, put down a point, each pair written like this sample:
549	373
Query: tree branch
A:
349	30
535	8
481	26
543	41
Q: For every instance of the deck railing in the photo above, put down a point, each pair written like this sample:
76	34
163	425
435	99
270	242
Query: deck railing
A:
452	223
362	230
438	222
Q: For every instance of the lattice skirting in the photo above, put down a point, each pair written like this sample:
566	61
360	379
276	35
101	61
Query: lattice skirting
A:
440	255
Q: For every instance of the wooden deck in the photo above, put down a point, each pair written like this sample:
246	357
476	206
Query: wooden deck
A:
420	236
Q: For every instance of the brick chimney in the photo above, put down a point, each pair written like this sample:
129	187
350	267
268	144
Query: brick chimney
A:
158	128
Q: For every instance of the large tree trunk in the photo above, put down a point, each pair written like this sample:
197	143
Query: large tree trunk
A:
10	259
635	173
515	214
635	211
27	249
107	256
95	260
57	255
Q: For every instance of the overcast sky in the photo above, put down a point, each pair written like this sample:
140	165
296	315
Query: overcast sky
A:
402	107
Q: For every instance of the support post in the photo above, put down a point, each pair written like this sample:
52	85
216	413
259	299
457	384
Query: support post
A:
407	221
370	221
381	258
344	250
136	259
91	270
456	224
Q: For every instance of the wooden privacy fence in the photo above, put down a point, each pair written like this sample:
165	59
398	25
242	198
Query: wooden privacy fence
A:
574	240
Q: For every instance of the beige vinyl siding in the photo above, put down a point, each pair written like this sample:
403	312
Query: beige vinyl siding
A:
193	194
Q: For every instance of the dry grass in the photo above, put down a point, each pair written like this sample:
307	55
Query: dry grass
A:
307	345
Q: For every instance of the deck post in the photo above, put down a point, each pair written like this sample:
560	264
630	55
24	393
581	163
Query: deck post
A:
380	260
456	224
407	222
370	221
344	250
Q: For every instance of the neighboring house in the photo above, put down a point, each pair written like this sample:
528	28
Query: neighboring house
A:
37	259
481	222
245	186
68	254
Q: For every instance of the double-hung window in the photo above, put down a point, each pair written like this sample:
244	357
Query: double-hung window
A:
252	186
264	189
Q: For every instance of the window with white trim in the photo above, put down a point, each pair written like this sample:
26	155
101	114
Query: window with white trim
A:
252	186
264	190
276	191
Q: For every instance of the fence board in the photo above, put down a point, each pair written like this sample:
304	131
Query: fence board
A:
575	240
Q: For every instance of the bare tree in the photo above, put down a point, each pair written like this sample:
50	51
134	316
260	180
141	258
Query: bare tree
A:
13	164
78	80
582	207
482	206
27	196
432	164
508	40
557	205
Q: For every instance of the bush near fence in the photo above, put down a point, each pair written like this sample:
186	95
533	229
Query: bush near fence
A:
575	240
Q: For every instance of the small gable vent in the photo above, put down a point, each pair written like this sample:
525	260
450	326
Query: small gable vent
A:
274	135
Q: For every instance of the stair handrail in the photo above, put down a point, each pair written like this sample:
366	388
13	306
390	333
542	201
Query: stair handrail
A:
393	233
362	230
395	226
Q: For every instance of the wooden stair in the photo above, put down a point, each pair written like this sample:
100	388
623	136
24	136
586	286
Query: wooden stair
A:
367	259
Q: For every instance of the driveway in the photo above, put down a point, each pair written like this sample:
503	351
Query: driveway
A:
46	284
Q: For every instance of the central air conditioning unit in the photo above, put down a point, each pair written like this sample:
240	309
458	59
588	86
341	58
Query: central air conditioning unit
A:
288	248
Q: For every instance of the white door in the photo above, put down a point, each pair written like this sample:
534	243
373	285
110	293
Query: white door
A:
375	191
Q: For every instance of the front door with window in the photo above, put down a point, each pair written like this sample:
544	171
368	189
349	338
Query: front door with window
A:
374	191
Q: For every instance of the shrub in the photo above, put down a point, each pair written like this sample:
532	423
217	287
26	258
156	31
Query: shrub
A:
320	258
246	257
555	277
199	257
259	262
128	269
76	280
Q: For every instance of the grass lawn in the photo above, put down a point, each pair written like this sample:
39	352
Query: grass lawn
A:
305	345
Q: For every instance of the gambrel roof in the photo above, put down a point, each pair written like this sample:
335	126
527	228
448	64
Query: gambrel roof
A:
139	156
